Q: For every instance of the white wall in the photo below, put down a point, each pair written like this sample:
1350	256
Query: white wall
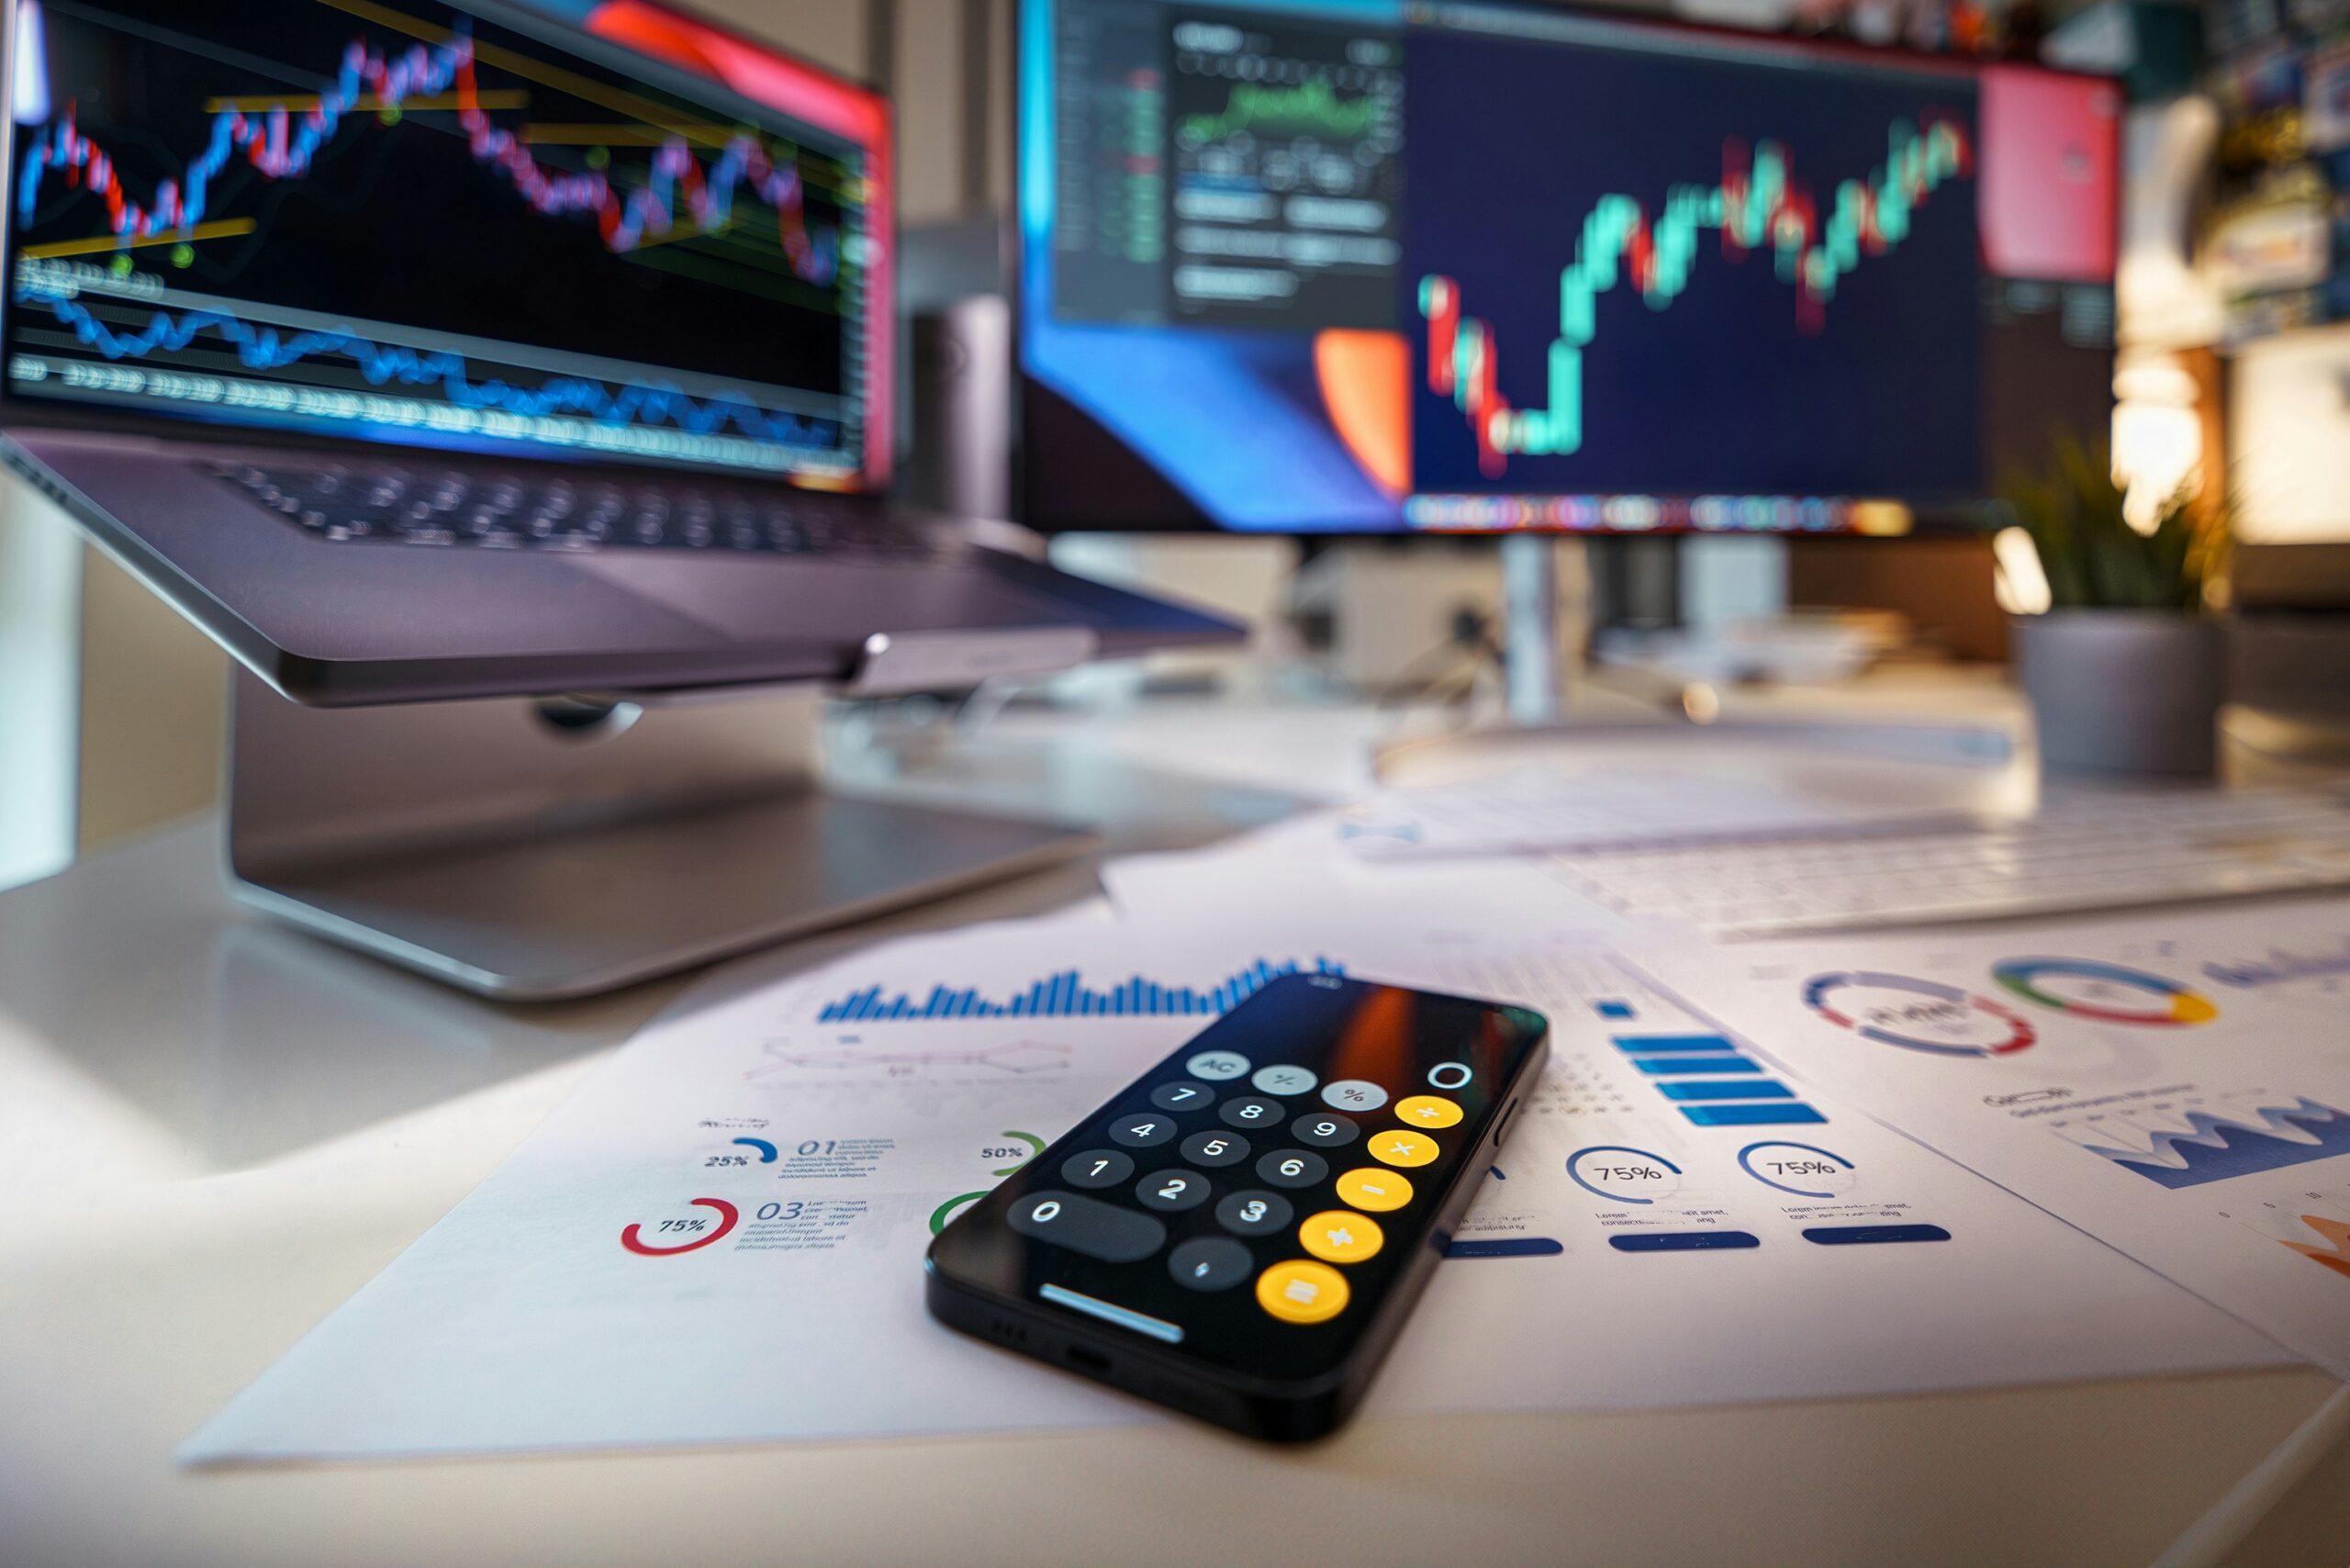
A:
153	699
40	627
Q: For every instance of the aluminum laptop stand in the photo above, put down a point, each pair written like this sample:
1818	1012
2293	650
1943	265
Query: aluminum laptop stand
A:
528	850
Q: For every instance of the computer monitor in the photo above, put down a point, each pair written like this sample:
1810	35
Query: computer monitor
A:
1352	266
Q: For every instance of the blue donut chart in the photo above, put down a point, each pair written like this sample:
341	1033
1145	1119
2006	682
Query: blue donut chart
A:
1576	1176
1745	1164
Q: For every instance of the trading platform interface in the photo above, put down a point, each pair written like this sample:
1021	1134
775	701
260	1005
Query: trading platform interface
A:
414	223
1361	266
1244	172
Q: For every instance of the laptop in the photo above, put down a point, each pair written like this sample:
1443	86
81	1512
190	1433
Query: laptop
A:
419	350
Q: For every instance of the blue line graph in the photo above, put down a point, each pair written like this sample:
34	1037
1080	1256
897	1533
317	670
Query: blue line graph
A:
263	348
283	142
2211	1147
1065	995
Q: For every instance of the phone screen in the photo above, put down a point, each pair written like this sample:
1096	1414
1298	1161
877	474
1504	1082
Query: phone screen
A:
1253	1200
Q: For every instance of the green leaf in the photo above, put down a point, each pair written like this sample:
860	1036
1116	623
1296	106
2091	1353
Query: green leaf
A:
2092	557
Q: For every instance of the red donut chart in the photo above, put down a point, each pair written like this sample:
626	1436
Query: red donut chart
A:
727	1217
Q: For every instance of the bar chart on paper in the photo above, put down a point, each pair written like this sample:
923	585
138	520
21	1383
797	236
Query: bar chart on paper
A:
1066	993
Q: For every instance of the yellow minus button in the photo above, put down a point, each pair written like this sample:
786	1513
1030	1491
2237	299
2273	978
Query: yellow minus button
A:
1374	1189
1300	1292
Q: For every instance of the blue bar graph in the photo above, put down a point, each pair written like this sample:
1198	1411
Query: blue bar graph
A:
1682	1241
1872	1234
1750	1115
1065	994
1657	1044
1612	1009
1696	1066
1754	1089
1506	1247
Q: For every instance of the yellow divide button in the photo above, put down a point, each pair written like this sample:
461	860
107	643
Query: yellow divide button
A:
1300	1292
1374	1189
1341	1236
1402	1147
1430	1111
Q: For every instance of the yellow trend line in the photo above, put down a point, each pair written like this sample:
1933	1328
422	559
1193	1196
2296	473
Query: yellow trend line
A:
223	230
562	80
303	102
554	76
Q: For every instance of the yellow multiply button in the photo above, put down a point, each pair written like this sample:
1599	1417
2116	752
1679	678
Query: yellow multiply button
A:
1339	1236
1300	1292
1374	1189
1428	1111
1402	1147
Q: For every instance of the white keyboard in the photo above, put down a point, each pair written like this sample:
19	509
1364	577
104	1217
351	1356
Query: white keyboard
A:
2077	855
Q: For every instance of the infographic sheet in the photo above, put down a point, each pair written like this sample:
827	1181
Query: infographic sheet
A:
719	1238
1672	1222
2177	1086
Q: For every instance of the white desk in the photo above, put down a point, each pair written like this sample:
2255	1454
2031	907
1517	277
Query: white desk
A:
212	1131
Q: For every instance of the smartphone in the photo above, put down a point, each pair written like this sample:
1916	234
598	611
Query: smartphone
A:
1240	1233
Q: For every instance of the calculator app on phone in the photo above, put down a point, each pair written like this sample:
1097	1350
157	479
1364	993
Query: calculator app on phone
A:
1242	1231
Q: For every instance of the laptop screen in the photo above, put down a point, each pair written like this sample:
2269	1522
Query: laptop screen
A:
640	241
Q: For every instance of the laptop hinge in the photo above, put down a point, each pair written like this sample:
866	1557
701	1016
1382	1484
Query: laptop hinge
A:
891	663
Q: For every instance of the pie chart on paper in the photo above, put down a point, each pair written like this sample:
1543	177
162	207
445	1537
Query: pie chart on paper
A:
2110	993
1917	1015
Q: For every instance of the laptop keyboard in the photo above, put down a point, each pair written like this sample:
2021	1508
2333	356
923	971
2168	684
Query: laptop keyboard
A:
389	504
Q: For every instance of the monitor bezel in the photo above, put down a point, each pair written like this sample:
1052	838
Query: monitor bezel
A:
1959	516
34	413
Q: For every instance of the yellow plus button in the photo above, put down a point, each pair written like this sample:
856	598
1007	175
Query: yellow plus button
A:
1337	1236
1402	1147
1428	1111
1300	1292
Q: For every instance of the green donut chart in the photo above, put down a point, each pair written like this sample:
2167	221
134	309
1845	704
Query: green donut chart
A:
2110	993
946	1211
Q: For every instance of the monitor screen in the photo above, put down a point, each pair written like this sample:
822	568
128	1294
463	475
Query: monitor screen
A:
637	239
1357	266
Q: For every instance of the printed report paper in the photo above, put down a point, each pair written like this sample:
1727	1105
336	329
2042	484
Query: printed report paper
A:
719	1238
2176	1085
1674	1223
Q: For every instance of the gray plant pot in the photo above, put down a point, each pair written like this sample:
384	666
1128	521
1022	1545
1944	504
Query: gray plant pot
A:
2124	691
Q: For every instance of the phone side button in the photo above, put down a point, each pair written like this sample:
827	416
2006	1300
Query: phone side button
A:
1087	1225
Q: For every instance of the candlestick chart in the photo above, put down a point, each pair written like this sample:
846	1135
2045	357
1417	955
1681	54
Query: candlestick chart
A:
1653	272
1757	206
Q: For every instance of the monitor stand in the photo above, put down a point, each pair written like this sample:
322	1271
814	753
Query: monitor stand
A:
530	850
1535	695
1699	586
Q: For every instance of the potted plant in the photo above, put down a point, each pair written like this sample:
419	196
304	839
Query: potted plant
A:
2124	671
